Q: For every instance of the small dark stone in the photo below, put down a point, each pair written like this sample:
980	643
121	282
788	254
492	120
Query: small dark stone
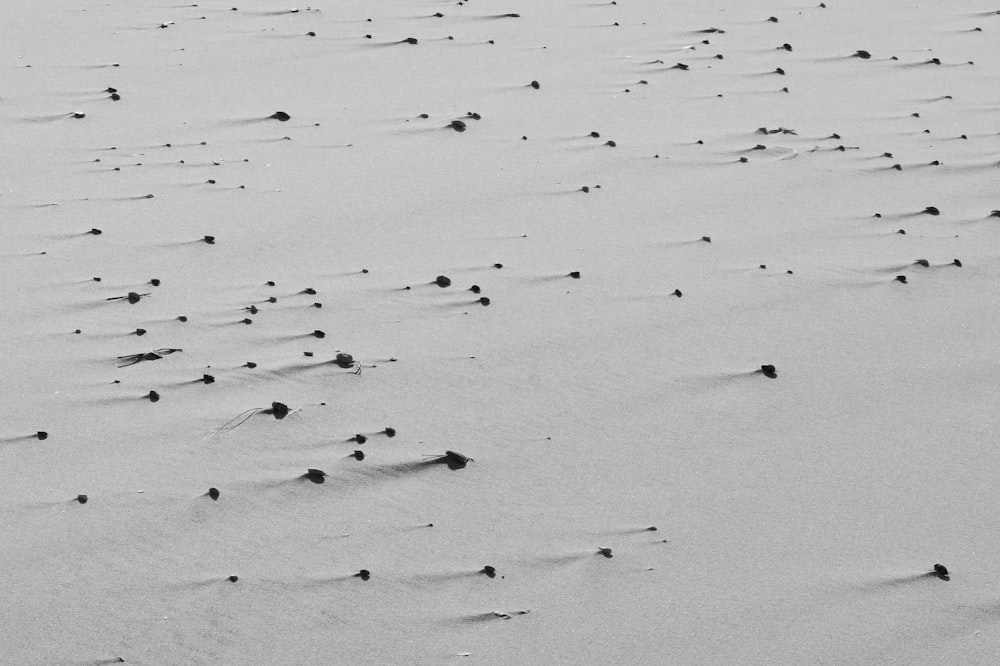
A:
773	19
475	289
310	34
457	125
182	318
364	574
606	552
575	275
250	364
484	300
209	239
358	455
956	262
864	55
536	85
155	282
489	571
785	47
246	320
677	293
941	571
442	281
214	493
82	499
595	135
610	143
359	438
42	435
115	97
153	396
410	40
280	115
344	360
208	379
707	239
140	332
233	579
315	475
681	66
932	210
391	432
585	189
769	371
780	71
79	114
95	232
922	262
318	334
497	265
901	278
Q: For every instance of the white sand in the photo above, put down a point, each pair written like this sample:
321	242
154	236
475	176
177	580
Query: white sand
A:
796	516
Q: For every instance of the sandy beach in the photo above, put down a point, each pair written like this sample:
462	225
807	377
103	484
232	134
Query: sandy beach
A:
545	333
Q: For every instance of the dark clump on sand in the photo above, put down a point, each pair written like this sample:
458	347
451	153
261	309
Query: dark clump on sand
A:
932	210
941	571
442	281
315	475
357	455
769	371
153	396
42	435
280	115
278	409
575	275
82	499
489	571
900	278
364	574
457	125
391	432
344	360
606	552
233	579
214	493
